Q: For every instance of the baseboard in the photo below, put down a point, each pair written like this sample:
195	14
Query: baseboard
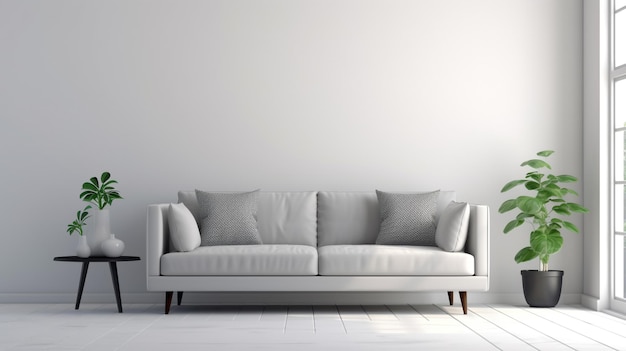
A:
71	298
590	302
286	298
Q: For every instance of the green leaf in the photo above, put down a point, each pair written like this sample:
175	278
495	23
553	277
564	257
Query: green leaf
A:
532	185
108	185
529	204
576	208
550	191
525	254
555	242
535	176
562	209
512	184
89	186
546	243
94	181
566	191
544	195
570	226
105	176
566	178
536	164
555	226
556	223
512	225
545	153
507	206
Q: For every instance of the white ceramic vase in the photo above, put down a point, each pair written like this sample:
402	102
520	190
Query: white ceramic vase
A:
82	250
112	247
100	232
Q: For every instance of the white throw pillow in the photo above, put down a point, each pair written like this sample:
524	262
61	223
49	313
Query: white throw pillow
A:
184	232
452	228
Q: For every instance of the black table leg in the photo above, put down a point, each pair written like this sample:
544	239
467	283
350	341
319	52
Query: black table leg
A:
81	285
116	285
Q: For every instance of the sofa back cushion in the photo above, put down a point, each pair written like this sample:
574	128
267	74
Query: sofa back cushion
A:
282	217
353	218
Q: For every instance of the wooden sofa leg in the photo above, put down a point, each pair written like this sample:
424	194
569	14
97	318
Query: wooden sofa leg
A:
168	301
451	297
180	297
463	295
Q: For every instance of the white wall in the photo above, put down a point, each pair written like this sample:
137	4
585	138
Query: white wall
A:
277	95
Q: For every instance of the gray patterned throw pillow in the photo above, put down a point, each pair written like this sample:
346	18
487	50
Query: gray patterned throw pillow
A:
407	219
228	218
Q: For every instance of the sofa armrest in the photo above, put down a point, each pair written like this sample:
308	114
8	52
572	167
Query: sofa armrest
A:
157	237
478	238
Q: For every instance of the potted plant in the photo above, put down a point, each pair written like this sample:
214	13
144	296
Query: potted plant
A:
79	222
77	226
544	207
100	193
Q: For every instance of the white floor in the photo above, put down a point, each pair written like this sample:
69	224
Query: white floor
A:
424	327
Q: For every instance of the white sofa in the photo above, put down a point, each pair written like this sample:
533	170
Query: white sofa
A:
317	242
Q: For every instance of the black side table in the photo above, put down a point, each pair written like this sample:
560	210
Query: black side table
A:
112	265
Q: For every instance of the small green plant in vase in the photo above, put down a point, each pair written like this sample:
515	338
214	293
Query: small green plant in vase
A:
544	207
82	250
79	222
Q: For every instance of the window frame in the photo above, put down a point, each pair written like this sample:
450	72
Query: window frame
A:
618	237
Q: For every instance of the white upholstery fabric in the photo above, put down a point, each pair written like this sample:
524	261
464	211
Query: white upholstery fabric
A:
353	217
452	227
477	244
242	260
288	218
184	232
282	217
347	218
383	260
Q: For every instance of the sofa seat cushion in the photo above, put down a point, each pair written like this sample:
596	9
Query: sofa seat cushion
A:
386	260
242	260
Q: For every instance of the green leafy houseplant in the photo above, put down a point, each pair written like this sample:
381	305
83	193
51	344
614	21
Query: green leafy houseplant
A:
100	193
79	222
542	208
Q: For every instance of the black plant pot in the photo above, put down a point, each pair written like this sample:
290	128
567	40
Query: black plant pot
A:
542	289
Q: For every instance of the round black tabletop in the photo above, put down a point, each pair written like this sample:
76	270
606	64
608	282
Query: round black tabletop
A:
96	259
